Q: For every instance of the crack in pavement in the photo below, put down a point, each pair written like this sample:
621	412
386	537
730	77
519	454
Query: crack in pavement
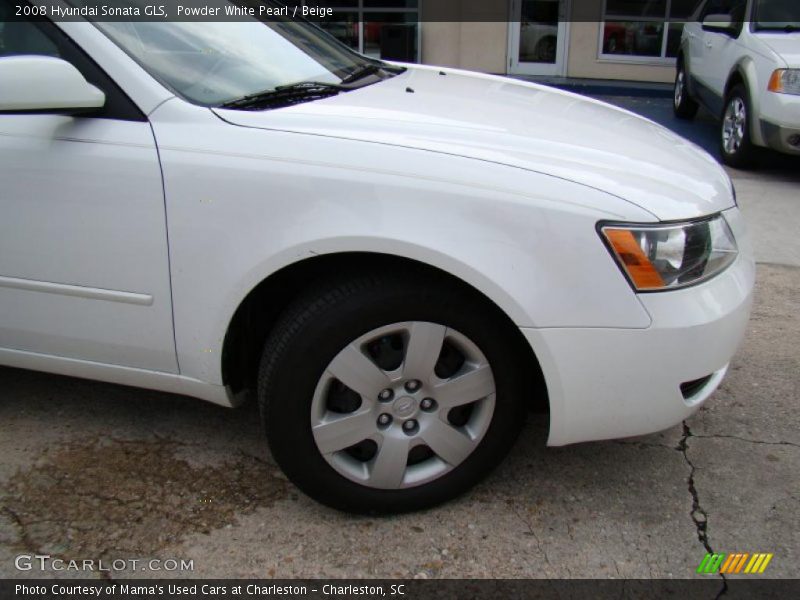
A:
532	532
24	538
698	513
741	439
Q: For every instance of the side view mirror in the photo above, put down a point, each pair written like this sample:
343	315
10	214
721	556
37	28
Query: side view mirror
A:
720	24
45	84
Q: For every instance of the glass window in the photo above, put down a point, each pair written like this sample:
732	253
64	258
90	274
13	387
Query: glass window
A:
636	8
391	3
777	15
212	63
391	36
649	29
344	27
22	36
682	10
538	37
674	39
634	38
387	29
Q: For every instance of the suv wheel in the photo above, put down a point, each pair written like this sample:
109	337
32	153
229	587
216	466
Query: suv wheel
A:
684	106
391	393
736	148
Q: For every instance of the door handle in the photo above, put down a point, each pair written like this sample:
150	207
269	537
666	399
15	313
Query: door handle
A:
709	45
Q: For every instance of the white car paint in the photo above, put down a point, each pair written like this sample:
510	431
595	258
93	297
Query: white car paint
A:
613	150
714	59
61	80
499	182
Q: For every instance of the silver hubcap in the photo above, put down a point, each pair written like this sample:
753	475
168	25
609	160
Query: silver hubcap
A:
734	125
679	83
418	399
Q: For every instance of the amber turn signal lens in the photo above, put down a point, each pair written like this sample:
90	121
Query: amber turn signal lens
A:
776	82
638	266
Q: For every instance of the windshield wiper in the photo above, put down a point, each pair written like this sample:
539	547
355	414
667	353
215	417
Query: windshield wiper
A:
284	95
360	73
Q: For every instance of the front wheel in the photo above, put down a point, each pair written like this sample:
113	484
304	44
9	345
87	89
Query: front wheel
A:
736	146
383	395
683	105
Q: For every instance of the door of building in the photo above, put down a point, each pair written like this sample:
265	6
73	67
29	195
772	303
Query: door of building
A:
537	37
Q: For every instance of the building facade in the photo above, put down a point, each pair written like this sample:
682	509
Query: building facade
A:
600	39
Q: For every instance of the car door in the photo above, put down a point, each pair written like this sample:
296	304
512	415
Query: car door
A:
722	50
693	40
716	50
84	271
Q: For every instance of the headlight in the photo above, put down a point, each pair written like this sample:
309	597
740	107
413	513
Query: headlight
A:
667	257
785	81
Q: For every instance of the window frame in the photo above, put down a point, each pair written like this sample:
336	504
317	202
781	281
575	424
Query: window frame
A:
661	60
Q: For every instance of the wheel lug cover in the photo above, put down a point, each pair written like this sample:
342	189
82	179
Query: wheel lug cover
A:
386	395
410	425
384	419
413	385
427	404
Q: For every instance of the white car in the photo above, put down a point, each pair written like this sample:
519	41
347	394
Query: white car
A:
399	260
741	60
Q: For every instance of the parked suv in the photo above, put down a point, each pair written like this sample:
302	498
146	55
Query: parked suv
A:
741	60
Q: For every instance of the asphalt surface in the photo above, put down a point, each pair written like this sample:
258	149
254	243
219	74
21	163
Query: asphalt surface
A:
92	470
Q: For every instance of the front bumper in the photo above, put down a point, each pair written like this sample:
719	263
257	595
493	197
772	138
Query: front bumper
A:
781	138
780	122
610	383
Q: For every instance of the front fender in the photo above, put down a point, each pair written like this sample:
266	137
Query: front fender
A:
747	71
244	203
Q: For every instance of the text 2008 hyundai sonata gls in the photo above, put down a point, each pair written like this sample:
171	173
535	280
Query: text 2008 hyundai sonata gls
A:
399	260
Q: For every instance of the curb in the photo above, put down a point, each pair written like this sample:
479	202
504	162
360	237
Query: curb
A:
592	87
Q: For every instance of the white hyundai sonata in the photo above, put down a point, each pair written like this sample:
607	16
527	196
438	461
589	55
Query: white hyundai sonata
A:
397	260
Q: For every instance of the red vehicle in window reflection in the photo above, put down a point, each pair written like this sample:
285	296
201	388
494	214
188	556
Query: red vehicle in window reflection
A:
614	39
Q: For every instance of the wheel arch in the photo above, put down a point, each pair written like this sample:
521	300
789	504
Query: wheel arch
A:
744	73
257	313
735	77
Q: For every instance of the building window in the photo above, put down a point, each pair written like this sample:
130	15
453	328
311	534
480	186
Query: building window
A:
644	30
385	29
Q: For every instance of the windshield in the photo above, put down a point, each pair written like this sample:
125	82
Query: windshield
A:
777	15
212	63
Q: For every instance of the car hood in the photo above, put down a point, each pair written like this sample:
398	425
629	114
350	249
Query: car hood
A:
521	125
785	45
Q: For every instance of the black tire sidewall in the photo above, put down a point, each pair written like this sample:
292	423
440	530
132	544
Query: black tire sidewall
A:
295	371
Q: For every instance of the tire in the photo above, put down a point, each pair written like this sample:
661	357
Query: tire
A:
683	104
299	394
736	147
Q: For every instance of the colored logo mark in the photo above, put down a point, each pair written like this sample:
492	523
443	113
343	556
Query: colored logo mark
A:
737	562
